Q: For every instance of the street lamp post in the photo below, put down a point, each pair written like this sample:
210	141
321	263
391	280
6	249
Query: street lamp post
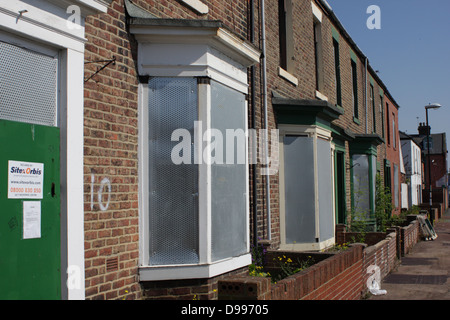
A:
430	106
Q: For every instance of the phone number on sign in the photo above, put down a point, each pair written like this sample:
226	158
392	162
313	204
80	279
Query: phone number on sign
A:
25	190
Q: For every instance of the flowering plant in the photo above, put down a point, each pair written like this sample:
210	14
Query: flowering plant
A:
288	267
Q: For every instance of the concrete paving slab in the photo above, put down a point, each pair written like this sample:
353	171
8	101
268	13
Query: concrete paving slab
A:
424	274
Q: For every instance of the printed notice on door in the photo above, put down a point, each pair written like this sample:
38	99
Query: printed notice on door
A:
31	219
25	180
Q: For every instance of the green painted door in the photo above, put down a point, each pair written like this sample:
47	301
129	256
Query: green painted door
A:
30	259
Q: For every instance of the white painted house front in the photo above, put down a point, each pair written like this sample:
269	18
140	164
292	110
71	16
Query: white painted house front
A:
412	161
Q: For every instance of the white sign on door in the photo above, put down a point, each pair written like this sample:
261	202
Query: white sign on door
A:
25	180
31	219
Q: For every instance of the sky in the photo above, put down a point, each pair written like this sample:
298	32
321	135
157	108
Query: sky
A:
411	51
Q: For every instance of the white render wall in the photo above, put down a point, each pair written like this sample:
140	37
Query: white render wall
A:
413	166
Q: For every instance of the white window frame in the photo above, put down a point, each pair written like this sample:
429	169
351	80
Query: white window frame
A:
315	132
220	56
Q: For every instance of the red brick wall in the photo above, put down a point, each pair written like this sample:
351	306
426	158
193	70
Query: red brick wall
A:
345	286
342	276
382	255
110	143
438	169
304	71
186	289
410	236
370	238
110	155
110	127
337	277
393	154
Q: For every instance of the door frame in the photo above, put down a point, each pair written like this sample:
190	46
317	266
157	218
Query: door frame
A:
316	132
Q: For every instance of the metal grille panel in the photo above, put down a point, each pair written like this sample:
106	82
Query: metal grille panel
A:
326	226
228	174
173	189
299	189
28	82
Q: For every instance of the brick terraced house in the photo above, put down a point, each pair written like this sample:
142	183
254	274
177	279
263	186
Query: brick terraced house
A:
174	187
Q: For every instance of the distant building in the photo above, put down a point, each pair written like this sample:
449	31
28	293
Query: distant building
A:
412	160
438	155
438	161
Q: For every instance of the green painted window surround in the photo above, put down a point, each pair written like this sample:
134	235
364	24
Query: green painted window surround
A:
335	33
363	197
337	70
355	88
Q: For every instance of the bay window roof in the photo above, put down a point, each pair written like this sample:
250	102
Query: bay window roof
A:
191	33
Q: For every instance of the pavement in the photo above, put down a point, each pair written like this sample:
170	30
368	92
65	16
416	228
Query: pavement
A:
424	273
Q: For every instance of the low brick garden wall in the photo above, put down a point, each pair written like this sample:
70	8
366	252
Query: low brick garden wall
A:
410	235
336	276
383	256
369	238
343	275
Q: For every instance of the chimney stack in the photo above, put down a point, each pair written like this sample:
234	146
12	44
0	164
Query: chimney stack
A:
424	129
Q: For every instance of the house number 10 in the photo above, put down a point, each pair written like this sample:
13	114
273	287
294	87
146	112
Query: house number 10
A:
105	181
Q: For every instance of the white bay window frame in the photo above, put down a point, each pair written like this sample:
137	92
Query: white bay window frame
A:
200	49
316	133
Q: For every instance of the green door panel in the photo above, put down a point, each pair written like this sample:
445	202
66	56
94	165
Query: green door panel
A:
30	268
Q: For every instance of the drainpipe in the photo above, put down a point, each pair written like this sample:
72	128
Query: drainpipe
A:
266	122
253	106
365	92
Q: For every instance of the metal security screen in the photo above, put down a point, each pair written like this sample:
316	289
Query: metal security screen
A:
325	190
228	174
173	188
299	189
361	186
396	187
28	86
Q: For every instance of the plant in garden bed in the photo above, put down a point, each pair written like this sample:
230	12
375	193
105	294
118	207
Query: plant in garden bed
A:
287	267
383	205
358	225
258	253
283	267
257	271
337	247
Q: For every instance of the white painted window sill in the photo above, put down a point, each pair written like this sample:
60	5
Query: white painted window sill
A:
308	246
197	271
196	5
287	76
321	96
